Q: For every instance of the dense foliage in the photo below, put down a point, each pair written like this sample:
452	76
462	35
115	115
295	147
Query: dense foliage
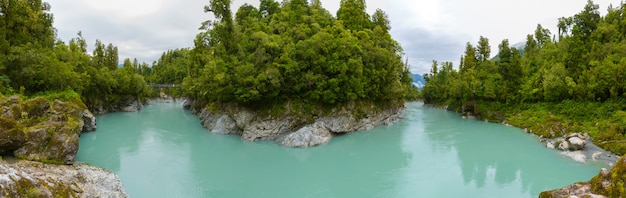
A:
573	72
294	50
33	61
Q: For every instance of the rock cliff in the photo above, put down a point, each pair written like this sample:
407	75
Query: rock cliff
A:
35	179
292	130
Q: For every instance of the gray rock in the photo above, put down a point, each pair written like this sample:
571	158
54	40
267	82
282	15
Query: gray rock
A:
564	145
89	121
307	136
576	143
550	145
134	106
218	123
596	155
44	180
187	104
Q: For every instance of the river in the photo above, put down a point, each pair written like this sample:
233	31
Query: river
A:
163	151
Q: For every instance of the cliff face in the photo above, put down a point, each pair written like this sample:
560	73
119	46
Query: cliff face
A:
291	130
35	179
40	130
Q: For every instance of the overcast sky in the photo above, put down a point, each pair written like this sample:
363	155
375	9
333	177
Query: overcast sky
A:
427	29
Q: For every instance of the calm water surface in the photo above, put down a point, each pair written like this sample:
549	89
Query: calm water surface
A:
163	151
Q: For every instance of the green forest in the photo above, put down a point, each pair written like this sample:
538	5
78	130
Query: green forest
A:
34	62
571	81
294	51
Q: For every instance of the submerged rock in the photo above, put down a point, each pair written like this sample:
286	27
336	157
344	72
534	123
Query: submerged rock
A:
35	179
291	130
578	156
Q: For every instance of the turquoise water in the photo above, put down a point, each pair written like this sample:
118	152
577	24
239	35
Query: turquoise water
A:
163	151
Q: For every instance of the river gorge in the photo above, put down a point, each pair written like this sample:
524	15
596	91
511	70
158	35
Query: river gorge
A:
163	151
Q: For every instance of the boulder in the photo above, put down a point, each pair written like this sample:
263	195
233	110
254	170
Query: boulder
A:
306	136
132	106
576	143
563	145
35	179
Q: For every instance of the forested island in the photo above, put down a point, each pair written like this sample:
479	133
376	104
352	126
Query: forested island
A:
558	84
291	72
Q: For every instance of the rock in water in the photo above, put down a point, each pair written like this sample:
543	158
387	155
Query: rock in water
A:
564	146
576	143
35	179
307	136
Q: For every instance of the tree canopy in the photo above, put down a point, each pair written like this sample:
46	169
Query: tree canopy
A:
294	50
33	61
586	63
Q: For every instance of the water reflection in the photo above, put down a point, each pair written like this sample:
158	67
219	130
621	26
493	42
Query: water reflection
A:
163	151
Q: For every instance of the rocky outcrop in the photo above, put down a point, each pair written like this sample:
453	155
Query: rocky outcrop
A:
293	130
35	179
40	130
100	106
606	184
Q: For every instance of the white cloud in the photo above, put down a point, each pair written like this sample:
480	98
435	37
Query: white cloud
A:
124	8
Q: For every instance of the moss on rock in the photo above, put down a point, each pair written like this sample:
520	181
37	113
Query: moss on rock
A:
12	136
45	131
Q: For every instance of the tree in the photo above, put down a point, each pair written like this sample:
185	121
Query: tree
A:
381	19
111	59
483	50
353	14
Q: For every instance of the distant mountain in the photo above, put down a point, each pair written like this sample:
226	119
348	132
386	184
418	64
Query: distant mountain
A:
519	46
418	80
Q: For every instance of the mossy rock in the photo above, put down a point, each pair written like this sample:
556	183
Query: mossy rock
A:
45	132
611	183
11	135
36	107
